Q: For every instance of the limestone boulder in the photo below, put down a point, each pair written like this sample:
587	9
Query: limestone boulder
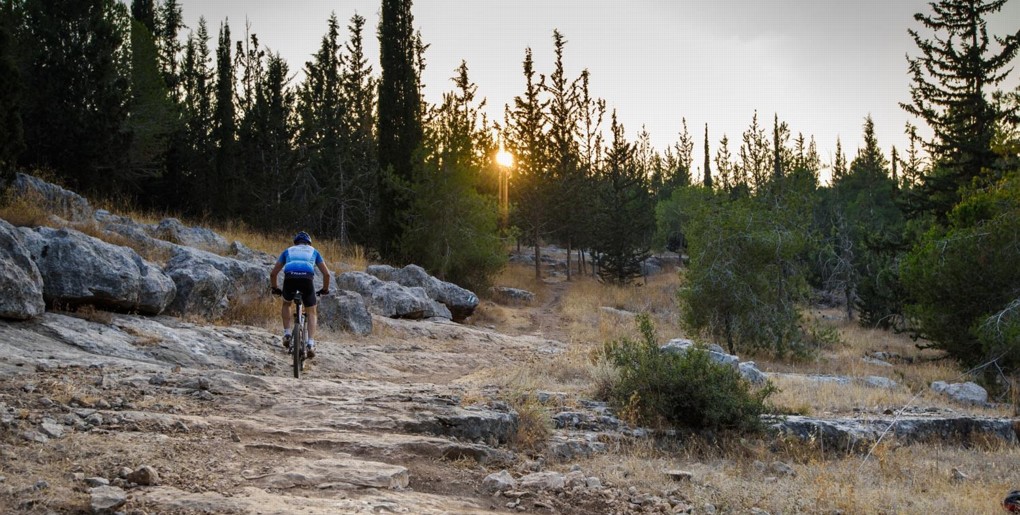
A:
78	269
345	311
384	298
172	230
20	279
55	199
460	301
207	282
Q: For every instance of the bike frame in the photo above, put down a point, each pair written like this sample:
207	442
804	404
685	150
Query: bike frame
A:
299	340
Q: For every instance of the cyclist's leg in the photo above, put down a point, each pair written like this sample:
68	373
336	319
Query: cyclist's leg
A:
311	312
285	314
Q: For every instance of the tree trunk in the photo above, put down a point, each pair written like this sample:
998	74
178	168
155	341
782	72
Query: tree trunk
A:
538	258
568	259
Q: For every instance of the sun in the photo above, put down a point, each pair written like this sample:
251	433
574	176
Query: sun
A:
504	158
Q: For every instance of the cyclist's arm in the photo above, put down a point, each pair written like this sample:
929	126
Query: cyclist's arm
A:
275	272
325	274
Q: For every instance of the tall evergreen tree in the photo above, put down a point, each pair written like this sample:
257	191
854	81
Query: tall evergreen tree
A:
267	147
171	21
400	108
77	90
625	216
950	81
724	165
144	11
591	114
198	149
525	138
322	178
868	228
755	156
677	165
360	154
11	135
563	122
452	227
708	168
153	114
839	166
222	196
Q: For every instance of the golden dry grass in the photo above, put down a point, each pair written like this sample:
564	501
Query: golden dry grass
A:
583	314
737	477
522	277
24	210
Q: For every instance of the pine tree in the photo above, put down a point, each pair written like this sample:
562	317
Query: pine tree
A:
625	216
171	20
525	138
950	78
839	167
708	169
400	108
153	114
222	195
755	156
724	165
11	135
360	154
870	223
145	12
563	123
591	114
267	149
322	177
451	229
77	90
198	148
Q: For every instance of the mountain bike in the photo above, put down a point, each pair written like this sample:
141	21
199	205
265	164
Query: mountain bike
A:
299	335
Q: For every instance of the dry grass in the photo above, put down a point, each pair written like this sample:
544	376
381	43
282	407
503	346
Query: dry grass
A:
24	210
737	476
534	424
255	308
586	321
522	277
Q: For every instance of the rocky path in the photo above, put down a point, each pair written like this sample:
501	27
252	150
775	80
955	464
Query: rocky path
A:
376	424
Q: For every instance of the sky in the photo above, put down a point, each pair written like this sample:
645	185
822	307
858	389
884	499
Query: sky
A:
821	65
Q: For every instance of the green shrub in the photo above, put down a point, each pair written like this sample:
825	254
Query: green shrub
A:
664	389
964	283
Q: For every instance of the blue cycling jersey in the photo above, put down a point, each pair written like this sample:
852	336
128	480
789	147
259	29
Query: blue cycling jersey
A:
300	261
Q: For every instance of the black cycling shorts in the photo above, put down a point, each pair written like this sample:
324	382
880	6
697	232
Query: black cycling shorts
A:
291	285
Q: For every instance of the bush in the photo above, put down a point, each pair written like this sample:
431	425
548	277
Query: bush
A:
964	283
681	390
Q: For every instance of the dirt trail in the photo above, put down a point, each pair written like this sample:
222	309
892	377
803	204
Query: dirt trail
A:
231	432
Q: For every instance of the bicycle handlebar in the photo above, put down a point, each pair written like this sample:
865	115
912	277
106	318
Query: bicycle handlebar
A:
279	292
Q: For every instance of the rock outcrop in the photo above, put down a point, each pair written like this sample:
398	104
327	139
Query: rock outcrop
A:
207	282
78	269
856	434
385	298
56	200
19	278
460	301
345	311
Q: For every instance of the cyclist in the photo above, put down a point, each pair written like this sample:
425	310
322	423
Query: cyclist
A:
298	264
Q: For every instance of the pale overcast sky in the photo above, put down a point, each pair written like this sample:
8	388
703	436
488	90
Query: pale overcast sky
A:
822	65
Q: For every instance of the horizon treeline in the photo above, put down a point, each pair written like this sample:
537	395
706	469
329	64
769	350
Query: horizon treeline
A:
117	101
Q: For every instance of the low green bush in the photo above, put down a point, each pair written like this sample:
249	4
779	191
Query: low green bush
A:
680	390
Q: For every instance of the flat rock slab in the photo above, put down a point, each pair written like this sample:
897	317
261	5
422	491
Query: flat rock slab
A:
334	473
255	500
857	434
